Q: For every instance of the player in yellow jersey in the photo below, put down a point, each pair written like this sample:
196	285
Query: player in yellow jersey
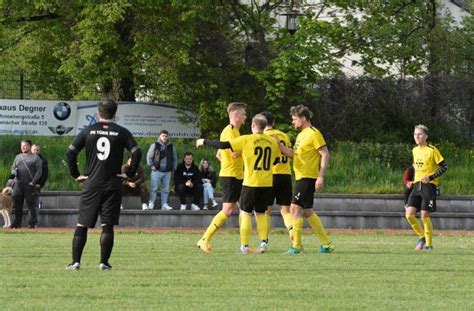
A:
259	153
429	165
230	175
282	187
310	161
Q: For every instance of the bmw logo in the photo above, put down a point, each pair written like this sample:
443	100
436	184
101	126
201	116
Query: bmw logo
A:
62	111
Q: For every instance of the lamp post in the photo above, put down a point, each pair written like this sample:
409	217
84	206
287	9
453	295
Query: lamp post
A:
292	21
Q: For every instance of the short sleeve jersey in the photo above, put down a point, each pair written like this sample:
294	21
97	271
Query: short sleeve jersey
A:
230	167
104	144
306	157
426	161
283	167
259	152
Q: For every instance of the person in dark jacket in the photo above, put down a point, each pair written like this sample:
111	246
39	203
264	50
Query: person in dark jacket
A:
408	176
36	149
135	185
27	171
209	180
187	181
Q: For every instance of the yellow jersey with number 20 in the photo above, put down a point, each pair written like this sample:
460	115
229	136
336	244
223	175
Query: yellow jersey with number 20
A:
259	152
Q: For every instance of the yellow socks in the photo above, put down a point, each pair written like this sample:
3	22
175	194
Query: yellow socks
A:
415	224
246	227
288	221
318	228
297	232
217	222
268	216
428	231
262	226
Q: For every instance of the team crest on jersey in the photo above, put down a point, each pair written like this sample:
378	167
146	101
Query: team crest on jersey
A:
431	203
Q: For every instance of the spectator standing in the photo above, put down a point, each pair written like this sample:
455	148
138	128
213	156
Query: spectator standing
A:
162	159
209	180
27	171
36	149
135	185
187	181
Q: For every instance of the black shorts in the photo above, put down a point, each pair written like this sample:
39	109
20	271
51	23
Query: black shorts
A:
423	197
104	203
281	190
231	188
255	198
304	192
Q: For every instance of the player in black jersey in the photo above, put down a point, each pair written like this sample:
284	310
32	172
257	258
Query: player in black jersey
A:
104	142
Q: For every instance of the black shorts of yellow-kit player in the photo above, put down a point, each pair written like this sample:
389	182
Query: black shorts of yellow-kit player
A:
282	190
254	199
231	188
304	192
423	197
104	203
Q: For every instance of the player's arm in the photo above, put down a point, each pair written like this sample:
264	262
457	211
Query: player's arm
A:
71	155
218	155
324	152
443	167
284	149
213	143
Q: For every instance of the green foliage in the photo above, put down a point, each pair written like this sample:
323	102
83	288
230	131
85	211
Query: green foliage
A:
145	276
354	167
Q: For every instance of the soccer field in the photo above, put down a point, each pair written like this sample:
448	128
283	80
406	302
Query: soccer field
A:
167	271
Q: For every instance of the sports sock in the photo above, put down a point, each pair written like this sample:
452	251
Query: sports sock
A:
245	227
268	217
78	242
428	231
415	224
217	222
318	228
297	232
262	226
288	221
106	243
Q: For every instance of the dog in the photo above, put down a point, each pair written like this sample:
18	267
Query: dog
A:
6	204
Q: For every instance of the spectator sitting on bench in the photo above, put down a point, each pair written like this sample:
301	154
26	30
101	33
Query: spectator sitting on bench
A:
136	184
187	181
209	179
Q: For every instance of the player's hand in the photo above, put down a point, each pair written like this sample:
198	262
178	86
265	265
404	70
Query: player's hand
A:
425	180
132	185
409	185
189	184
235	155
319	183
123	175
81	178
199	142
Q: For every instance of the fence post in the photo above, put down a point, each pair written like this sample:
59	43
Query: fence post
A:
22	85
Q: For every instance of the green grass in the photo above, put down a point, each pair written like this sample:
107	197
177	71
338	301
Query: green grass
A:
354	167
166	271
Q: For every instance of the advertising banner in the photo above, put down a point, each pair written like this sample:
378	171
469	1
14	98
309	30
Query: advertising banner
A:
56	118
38	117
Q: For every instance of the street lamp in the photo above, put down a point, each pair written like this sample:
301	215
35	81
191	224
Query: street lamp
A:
292	21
